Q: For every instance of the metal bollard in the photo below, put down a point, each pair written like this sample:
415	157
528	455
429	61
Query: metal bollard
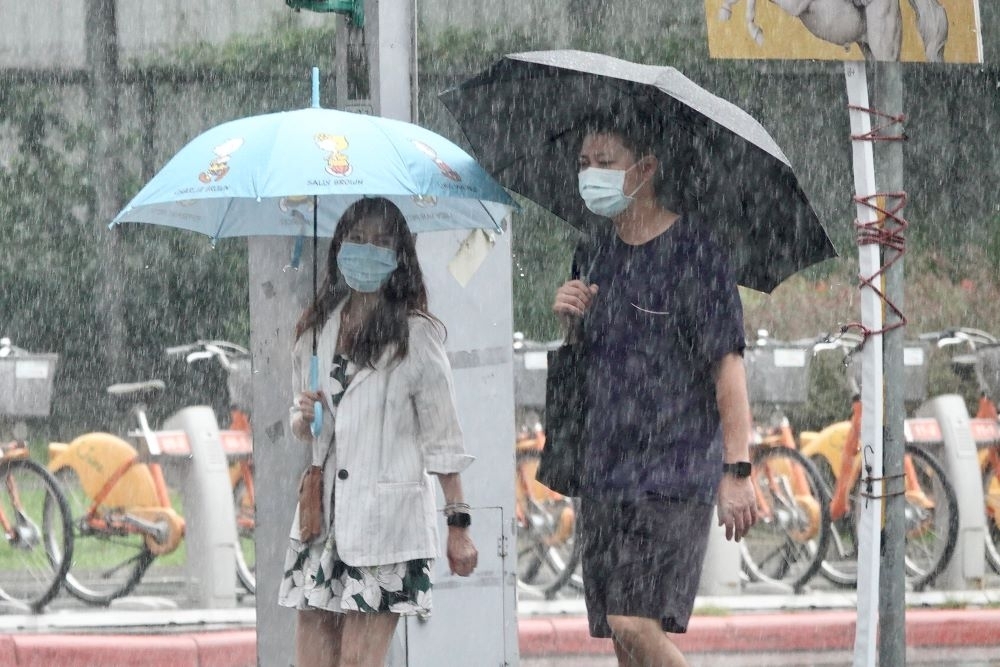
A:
720	574
210	538
958	456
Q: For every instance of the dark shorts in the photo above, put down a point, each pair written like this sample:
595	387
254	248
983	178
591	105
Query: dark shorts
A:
642	559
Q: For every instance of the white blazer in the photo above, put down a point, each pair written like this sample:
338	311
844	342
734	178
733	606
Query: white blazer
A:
395	423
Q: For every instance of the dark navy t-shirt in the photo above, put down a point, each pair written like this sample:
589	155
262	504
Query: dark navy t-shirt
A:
665	312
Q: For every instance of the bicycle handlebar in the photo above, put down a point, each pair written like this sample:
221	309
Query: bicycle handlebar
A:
223	351
969	336
8	349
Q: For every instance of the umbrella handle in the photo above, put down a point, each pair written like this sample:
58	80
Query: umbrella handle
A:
296	253
317	423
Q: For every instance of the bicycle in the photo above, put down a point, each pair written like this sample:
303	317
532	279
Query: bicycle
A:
785	547
982	364
122	513
548	553
37	528
930	510
237	442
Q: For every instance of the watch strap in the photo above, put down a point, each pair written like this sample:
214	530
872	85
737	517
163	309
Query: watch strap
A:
738	469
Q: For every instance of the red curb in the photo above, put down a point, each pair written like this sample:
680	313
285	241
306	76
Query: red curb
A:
952	627
802	631
117	650
229	648
537	636
817	631
8	651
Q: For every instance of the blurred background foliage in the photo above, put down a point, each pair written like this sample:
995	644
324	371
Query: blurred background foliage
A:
178	288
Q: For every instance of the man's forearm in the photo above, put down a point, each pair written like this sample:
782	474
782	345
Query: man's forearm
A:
734	407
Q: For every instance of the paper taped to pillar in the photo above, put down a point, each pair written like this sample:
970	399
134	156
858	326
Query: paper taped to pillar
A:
889	30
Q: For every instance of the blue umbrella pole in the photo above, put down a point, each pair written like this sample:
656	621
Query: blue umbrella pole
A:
315	87
314	362
317	423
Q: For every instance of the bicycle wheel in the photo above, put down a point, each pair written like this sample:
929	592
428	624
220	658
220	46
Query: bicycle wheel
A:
40	543
107	564
246	555
991	493
548	552
786	545
931	516
840	562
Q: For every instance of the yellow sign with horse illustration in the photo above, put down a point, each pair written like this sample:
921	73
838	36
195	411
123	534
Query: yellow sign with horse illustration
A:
889	30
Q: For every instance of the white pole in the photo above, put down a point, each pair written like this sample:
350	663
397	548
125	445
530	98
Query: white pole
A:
392	44
869	527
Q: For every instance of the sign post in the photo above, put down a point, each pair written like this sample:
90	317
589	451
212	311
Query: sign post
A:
882	32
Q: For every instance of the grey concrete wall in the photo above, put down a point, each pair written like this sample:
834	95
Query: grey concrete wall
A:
50	33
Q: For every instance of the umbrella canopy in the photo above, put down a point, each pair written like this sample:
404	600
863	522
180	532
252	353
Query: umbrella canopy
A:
295	173
524	115
262	175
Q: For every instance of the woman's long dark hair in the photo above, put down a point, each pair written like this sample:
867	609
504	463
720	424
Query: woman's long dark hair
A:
403	294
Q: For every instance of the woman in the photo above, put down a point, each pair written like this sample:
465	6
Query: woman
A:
389	419
655	305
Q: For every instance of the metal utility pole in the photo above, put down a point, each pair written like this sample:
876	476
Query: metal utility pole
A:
103	89
888	97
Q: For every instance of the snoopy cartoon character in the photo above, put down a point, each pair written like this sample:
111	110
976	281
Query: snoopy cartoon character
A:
219	167
337	162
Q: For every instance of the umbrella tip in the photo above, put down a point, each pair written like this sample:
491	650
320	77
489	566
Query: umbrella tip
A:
315	87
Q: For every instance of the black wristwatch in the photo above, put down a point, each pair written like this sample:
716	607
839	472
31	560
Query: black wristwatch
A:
460	519
740	469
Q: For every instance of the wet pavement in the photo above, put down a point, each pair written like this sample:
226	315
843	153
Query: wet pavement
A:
941	657
946	628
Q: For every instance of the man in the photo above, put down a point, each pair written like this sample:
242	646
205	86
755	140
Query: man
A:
668	425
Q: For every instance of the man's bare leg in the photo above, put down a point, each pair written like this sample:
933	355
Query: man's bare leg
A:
641	642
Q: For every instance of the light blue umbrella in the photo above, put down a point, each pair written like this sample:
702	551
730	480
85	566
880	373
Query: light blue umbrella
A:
295	172
263	175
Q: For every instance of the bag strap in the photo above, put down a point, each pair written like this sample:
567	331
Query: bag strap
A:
326	453
584	260
585	255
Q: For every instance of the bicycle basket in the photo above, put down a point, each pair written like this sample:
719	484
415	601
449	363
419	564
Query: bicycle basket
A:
530	372
914	371
239	384
988	365
26	384
777	374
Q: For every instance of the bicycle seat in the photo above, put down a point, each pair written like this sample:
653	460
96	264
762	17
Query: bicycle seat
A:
135	389
15	449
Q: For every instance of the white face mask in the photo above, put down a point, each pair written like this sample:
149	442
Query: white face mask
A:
603	190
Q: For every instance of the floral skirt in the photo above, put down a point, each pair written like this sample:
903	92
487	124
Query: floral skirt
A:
316	578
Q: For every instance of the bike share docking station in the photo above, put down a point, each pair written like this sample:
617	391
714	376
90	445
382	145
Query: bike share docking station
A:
944	426
194	450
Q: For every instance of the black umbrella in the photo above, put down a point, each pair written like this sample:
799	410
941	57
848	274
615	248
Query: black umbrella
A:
524	115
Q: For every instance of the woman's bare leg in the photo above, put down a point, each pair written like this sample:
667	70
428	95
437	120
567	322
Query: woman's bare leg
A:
365	639
318	638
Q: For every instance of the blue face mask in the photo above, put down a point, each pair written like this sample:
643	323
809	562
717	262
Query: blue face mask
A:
364	266
603	190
